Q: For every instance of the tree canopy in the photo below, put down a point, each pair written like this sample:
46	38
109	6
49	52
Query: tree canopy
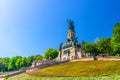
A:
115	41
90	47
103	46
51	53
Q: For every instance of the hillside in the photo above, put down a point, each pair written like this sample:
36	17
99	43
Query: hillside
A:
80	68
28	77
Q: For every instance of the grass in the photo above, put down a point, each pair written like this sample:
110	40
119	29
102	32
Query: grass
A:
114	56
80	68
24	76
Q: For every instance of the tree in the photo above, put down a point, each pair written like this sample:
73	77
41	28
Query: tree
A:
51	53
4	62
38	57
90	48
12	63
17	63
23	62
115	40
2	67
87	47
104	46
30	60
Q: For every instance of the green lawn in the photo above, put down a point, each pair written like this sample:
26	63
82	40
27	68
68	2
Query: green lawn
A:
28	77
80	68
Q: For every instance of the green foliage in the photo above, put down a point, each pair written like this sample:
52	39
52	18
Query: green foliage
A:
12	64
23	63
30	60
115	41
38	57
4	64
51	53
90	48
80	68
103	46
18	62
2	67
87	47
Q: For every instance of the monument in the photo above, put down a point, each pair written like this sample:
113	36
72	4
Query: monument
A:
71	49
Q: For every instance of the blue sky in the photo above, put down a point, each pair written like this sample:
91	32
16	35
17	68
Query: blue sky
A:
30	27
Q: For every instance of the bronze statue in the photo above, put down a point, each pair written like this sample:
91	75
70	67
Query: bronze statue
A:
70	24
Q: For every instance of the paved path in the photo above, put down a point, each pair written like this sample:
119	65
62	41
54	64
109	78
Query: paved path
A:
101	59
